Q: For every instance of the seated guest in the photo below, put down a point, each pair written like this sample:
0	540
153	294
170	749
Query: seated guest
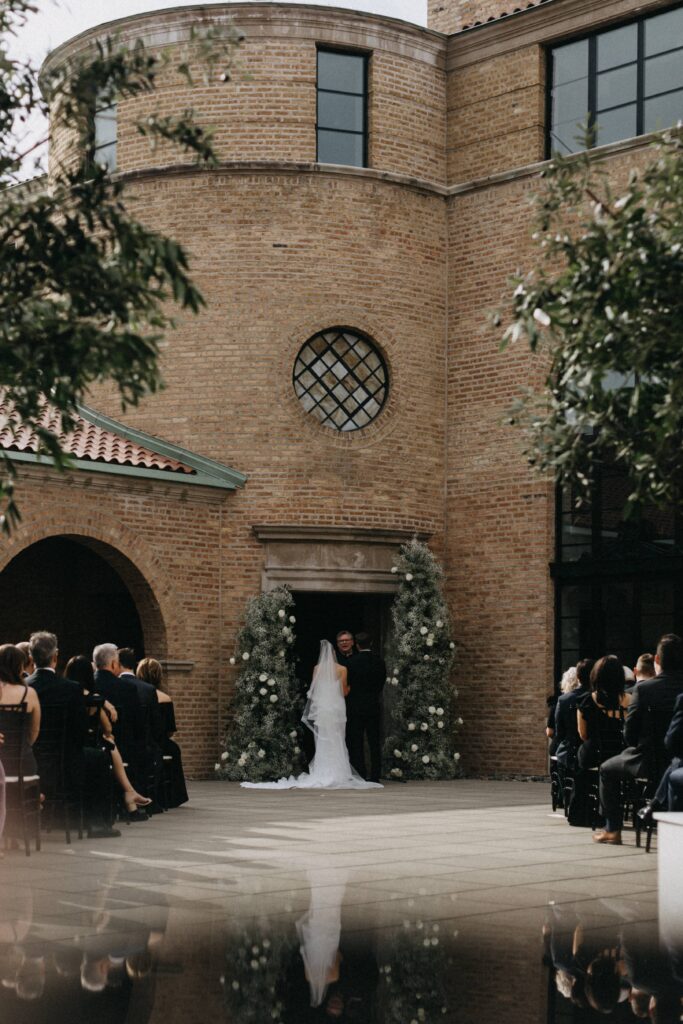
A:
150	672
649	715
14	691
147	694
600	725
80	670
645	667
84	767
30	668
124	696
566	728
600	717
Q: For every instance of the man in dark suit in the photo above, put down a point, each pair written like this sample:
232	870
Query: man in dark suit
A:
669	795
123	694
150	756
647	721
84	766
367	675
147	694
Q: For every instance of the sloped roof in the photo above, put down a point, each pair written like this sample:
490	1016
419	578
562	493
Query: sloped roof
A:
102	444
514	7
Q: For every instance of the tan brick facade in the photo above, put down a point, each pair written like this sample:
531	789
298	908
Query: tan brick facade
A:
415	252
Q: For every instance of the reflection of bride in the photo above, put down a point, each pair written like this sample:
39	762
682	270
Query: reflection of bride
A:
319	932
325	716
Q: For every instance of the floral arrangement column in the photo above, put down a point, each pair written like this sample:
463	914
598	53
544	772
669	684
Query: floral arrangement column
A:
263	738
421	740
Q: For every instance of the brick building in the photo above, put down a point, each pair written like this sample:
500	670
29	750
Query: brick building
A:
370	204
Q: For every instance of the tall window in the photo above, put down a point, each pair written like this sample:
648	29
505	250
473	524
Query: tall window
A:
625	81
105	135
619	582
342	108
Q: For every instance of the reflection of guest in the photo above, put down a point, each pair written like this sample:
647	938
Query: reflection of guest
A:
367	675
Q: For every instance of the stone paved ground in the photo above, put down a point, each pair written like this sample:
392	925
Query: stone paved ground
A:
483	868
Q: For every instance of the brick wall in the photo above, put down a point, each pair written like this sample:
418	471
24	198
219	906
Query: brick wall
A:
455	15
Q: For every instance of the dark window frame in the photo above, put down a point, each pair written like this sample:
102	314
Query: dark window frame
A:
640	61
344	52
381	373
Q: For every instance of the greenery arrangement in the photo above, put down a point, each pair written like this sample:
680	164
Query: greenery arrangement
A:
256	967
264	737
86	290
604	308
421	737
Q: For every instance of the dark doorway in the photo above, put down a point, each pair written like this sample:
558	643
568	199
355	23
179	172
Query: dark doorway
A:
63	586
320	616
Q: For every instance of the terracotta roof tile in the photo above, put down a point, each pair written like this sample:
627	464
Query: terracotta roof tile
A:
86	441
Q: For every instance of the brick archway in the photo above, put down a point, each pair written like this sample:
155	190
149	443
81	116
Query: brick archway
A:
143	576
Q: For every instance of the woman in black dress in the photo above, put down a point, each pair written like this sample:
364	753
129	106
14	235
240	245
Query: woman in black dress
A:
600	722
601	713
150	670
16	694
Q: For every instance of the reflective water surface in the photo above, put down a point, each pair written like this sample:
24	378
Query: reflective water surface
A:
298	922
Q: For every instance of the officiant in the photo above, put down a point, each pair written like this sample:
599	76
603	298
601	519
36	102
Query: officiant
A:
366	677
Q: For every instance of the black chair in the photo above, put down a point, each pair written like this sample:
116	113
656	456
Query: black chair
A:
556	786
62	784
22	790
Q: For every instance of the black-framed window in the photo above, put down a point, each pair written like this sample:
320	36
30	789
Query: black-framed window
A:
105	129
341	378
342	81
623	82
619	581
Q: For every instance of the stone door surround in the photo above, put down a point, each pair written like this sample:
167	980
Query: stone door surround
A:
341	559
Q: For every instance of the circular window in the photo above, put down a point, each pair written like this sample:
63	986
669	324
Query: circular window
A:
341	379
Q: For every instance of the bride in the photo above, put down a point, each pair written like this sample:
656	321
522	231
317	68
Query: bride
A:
325	716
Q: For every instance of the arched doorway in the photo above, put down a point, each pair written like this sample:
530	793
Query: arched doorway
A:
83	590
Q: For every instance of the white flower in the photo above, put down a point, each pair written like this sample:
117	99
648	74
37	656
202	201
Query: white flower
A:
456	757
541	317
281	613
397	753
452	645
262	678
431	709
232	661
413	747
297	750
430	641
261	754
394	568
273	698
396	771
425	759
439	725
426	657
263	691
245	656
224	756
254	965
271	682
216	767
424	727
409	576
293	734
423	630
285	630
236	986
242	761
439	711
394	681
411	726
459	721
292	619
281	654
439	623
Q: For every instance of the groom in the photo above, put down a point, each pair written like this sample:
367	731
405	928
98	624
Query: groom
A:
367	675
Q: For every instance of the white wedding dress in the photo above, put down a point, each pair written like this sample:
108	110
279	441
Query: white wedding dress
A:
325	716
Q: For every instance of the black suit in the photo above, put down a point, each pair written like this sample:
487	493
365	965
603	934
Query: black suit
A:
647	719
147	694
367	675
566	728
87	768
128	733
670	791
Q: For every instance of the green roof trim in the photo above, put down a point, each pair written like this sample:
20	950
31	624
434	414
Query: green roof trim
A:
206	472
